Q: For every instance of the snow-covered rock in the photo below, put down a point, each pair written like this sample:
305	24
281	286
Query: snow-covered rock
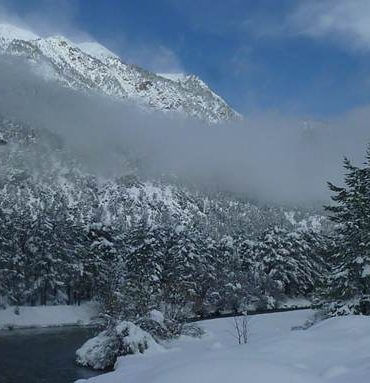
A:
156	316
125	338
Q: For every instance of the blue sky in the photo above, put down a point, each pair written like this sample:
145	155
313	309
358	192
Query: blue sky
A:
303	58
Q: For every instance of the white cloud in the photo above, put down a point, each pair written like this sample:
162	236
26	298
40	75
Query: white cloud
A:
343	21
150	55
156	58
50	18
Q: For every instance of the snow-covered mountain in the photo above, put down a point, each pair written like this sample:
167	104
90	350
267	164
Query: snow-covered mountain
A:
91	66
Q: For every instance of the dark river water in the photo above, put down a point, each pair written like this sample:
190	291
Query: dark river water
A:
42	355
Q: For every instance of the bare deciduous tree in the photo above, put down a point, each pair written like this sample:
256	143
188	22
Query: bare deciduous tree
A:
241	328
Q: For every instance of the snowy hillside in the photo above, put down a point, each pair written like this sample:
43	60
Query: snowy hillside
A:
91	66
335	350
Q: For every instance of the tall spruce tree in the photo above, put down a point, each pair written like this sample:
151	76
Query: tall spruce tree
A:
348	287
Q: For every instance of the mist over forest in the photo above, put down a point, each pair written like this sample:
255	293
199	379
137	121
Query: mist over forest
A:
267	156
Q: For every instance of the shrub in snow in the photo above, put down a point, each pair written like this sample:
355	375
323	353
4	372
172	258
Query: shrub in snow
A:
191	329
163	327
125	338
241	328
359	305
155	324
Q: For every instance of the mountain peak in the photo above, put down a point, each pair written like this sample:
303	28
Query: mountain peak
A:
9	32
96	50
173	76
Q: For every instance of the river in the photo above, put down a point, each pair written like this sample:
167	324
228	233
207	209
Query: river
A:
42	355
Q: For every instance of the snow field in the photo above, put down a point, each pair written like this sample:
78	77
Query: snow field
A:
47	316
336	350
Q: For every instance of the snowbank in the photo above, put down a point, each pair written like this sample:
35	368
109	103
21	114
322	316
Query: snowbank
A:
126	338
47	316
336	350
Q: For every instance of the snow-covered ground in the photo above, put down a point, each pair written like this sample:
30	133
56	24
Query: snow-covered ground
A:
47	316
336	350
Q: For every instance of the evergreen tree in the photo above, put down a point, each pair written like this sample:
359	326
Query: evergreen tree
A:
141	285
348	287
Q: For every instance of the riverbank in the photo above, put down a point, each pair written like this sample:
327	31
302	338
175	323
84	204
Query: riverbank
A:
335	350
24	317
47	316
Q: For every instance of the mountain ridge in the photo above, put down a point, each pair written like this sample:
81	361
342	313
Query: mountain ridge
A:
91	66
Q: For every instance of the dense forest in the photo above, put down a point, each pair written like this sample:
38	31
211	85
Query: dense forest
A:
66	237
136	245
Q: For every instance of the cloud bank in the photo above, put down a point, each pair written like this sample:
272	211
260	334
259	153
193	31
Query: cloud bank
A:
343	21
267	157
